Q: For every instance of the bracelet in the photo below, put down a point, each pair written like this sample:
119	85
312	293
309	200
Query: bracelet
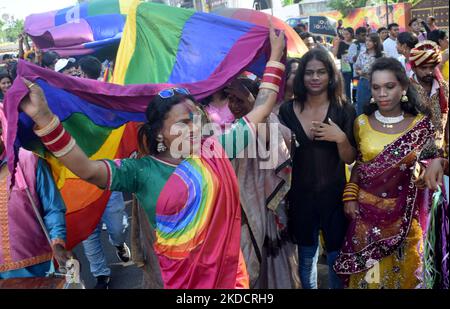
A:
274	71
273	76
351	192
68	148
276	80
49	128
270	86
56	138
276	64
349	199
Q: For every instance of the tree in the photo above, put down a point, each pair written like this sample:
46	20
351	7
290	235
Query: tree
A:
345	6
12	29
288	2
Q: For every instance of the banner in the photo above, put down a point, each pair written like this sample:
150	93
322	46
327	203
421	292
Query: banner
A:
322	25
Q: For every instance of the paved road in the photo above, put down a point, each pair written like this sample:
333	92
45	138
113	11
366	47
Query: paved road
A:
123	276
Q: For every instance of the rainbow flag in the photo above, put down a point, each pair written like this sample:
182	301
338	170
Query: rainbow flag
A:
163	44
81	29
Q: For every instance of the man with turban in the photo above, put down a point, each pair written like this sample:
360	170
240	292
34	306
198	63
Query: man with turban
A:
432	88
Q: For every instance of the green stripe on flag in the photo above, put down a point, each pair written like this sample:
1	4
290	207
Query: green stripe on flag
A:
159	29
89	136
103	7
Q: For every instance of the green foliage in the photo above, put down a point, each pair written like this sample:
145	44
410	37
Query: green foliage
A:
345	6
11	29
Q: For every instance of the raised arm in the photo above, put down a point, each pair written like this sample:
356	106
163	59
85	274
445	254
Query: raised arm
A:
35	105
267	96
21	50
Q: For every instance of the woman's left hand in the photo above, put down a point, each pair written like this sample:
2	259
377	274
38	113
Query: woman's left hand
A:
328	132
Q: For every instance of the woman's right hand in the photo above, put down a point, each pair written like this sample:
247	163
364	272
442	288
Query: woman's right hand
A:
434	174
35	105
351	209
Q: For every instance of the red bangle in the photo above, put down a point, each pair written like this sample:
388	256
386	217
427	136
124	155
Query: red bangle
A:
53	135
274	71
272	80
60	143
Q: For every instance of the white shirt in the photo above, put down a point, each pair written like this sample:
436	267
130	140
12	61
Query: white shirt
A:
390	48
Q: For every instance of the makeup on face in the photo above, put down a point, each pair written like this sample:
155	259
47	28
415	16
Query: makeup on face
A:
386	90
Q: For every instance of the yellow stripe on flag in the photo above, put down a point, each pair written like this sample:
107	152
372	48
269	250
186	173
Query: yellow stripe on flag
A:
127	45
107	151
125	5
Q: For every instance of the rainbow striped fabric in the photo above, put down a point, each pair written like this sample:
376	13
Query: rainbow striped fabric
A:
81	29
180	232
163	44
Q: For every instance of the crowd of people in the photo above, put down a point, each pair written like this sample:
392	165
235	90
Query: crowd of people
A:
361	145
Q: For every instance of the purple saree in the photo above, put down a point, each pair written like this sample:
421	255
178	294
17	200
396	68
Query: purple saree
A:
388	202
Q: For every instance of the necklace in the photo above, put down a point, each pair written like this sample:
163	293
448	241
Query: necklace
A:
388	121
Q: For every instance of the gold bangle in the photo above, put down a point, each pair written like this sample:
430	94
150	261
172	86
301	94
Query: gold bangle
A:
352	184
349	199
350	194
351	188
50	127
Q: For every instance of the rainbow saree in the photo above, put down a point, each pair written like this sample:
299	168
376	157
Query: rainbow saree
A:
195	211
383	245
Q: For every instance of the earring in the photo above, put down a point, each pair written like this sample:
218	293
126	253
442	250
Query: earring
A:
160	147
404	98
372	101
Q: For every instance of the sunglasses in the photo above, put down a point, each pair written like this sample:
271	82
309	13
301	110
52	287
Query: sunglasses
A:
168	93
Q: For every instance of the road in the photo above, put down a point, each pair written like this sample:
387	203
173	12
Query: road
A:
123	276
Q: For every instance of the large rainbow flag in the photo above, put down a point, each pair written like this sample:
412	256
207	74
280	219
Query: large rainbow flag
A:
163	44
81	29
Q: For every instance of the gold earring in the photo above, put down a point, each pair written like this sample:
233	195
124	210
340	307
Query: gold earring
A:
404	98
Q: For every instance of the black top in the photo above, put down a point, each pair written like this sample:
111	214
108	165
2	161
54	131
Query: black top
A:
342	49
316	164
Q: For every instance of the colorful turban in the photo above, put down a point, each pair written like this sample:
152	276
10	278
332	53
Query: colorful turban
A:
426	52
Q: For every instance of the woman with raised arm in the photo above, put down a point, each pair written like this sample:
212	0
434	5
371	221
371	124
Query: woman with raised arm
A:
192	201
